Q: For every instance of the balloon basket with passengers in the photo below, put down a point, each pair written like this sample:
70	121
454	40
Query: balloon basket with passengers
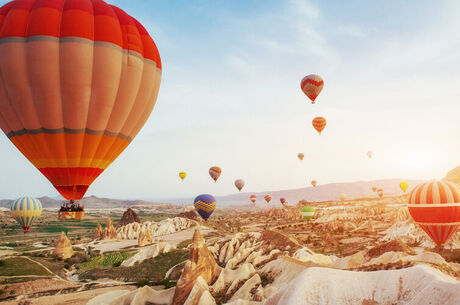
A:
71	211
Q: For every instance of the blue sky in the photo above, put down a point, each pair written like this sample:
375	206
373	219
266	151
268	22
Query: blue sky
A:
230	96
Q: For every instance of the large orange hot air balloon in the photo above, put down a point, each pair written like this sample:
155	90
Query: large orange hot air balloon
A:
268	198
312	85
435	206
319	123
79	80
215	172
253	198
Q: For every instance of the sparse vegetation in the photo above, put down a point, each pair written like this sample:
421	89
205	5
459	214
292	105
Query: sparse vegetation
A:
113	259
184	244
17	266
142	283
168	283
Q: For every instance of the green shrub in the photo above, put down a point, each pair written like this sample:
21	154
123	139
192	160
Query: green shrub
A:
142	283
168	283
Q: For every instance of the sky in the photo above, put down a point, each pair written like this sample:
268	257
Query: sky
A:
230	96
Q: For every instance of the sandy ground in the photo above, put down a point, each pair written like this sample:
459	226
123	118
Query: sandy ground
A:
77	298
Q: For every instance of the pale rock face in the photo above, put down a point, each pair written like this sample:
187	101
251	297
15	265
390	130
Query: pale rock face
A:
197	291
98	232
306	255
348	262
421	285
63	247
245	291
137	297
109	231
201	263
206	299
231	278
145	238
164	227
147	253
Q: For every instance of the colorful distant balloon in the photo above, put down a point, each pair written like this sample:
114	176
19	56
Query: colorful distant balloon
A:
205	205
253	198
342	197
268	198
215	172
182	175
404	186
284	202
380	193
25	210
314	183
319	123
370	154
83	78
312	85
239	183
374	189
435	206
300	156
307	212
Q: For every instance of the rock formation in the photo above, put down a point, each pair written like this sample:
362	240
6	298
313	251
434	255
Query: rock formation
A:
98	232
201	263
147	253
190	215
164	227
63	247
129	216
145	238
109	231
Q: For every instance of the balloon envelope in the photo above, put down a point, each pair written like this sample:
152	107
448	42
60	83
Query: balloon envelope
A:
182	175
83	77
268	198
312	85
374	188
307	212
314	183
319	123
205	205
370	154
404	186
300	156
215	172
239	184
380	193
25	210
253	198
435	207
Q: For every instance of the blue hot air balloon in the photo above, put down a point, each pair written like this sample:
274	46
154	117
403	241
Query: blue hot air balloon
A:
205	205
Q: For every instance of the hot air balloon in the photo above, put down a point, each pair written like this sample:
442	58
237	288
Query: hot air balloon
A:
284	202
25	210
314	183
205	205
374	188
300	156
182	175
380	193
268	198
370	154
215	172
253	198
319	123
307	212
83	77
404	186
342	197
239	183
312	85
435	206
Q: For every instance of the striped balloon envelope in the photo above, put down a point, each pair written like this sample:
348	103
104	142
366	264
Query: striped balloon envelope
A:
82	79
268	198
307	212
312	85
319	123
205	205
25	210
435	206
253	198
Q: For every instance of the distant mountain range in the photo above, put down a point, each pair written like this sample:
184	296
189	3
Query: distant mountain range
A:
324	192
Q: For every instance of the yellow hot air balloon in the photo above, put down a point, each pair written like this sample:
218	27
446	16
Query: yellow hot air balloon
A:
314	183
319	123
300	156
404	186
25	210
182	175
